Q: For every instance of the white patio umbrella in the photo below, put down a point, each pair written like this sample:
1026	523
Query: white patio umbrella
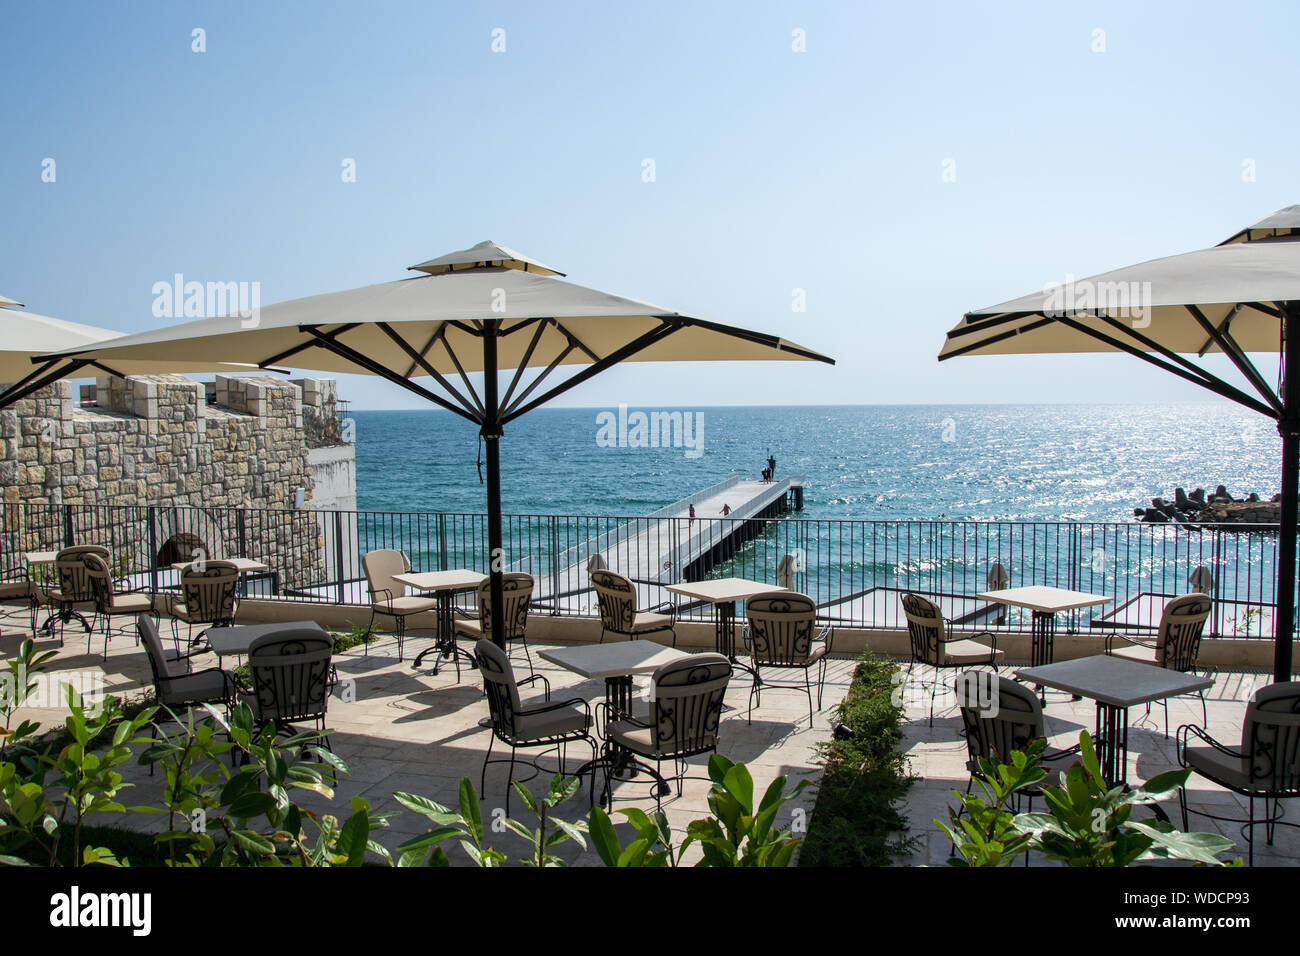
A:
25	335
484	309
1240	296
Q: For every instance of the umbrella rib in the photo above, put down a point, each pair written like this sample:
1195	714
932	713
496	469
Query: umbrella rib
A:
461	369
423	363
761	338
1195	375
424	351
523	364
564	353
636	345
1009	333
577	342
280	356
1233	351
20	391
1223	327
29	377
374	368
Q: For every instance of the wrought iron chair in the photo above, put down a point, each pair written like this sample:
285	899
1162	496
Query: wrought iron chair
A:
931	643
388	597
783	634
72	590
1267	767
291	675
994	728
17	587
176	685
517	591
682	723
618	613
208	596
517	724
1177	643
110	602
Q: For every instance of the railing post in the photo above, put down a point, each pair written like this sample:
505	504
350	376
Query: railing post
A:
555	566
338	557
151	517
68	539
442	541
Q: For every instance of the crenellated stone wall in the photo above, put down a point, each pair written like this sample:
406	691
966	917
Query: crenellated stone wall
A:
153	461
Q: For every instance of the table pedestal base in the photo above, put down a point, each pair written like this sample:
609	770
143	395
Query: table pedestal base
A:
445	645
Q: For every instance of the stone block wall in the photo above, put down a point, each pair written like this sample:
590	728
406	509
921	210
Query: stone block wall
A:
155	462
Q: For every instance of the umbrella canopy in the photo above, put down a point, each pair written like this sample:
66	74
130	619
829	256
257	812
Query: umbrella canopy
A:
1240	296
484	309
25	335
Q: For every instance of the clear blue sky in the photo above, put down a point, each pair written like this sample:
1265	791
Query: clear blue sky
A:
775	170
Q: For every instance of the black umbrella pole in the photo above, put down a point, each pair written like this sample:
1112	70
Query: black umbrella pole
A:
492	438
1289	427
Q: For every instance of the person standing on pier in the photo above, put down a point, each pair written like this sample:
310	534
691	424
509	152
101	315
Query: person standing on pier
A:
726	509
771	466
692	512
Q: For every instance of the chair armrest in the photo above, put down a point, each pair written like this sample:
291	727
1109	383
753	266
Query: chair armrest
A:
537	677
1180	741
663	607
556	705
992	635
827	634
375	599
1137	642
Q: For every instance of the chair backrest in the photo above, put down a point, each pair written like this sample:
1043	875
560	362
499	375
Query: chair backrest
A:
100	577
380	566
782	626
687	704
499	686
1181	624
617	598
161	667
785	571
925	628
516	592
73	577
998	577
290	670
993	730
1202	579
209	595
1270	737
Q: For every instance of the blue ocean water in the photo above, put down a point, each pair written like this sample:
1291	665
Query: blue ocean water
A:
963	462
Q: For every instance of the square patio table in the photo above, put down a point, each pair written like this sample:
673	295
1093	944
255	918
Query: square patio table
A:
1045	603
236	639
445	585
617	663
1115	684
243	565
723	595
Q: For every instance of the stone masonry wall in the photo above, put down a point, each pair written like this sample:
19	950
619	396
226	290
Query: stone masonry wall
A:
154	461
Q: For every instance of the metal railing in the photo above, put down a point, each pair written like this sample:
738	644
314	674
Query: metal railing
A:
855	569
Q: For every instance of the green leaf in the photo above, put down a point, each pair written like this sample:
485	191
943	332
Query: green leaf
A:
604	837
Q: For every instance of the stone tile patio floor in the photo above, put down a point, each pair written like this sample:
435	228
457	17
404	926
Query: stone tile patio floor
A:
411	731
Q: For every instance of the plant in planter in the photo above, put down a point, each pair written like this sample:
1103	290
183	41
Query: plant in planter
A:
1087	823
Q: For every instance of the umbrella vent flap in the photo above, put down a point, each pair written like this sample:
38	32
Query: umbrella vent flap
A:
485	255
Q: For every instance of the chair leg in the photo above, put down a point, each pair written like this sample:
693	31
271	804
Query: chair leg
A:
807	689
1182	805
753	690
482	777
510	778
1251	831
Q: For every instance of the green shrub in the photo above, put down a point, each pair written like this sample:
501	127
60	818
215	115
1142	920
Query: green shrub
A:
857	820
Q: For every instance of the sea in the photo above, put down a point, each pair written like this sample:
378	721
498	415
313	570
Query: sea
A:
887	462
